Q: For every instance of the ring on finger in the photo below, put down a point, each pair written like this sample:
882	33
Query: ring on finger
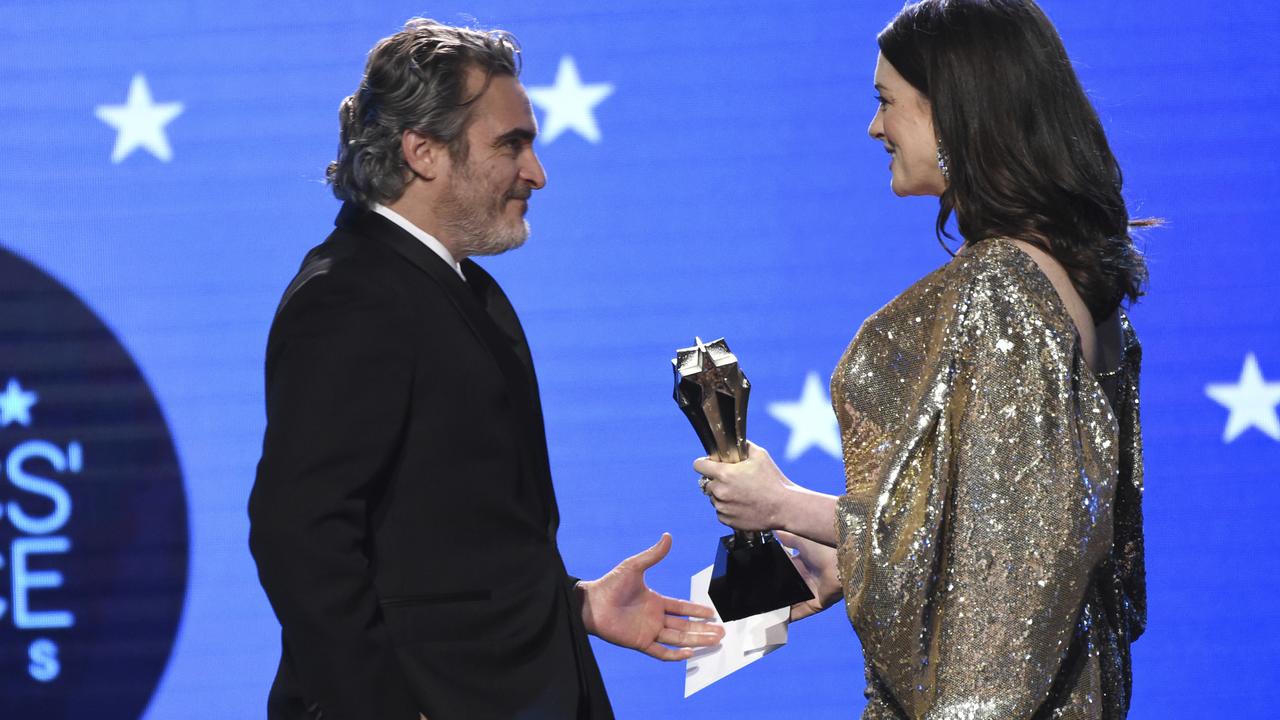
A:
703	482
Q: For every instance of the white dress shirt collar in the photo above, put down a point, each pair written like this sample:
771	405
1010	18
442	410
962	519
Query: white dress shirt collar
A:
422	235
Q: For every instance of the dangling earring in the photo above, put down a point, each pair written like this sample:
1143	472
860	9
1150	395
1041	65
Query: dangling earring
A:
943	161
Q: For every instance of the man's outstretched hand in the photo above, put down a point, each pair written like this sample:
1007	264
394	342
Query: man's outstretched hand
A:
621	609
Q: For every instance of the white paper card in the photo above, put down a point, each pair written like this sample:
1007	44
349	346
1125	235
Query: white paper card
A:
745	640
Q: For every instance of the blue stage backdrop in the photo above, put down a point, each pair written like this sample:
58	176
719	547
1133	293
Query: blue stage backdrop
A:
710	175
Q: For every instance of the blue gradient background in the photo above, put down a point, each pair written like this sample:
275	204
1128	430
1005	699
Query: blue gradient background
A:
734	193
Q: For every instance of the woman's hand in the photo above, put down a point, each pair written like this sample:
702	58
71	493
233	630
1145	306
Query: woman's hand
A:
748	495
817	565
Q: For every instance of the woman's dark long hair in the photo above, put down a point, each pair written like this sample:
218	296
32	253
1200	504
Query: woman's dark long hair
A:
1026	153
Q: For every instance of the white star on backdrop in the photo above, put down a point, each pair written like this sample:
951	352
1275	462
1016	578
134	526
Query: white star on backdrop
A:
812	422
1251	400
140	122
15	404
569	105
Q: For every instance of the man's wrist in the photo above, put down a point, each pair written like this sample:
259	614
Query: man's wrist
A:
580	598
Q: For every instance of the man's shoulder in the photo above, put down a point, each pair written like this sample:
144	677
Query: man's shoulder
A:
345	264
350	253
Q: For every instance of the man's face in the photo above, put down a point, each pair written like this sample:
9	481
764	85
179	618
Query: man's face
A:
482	204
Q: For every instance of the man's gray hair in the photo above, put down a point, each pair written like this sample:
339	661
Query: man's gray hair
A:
414	80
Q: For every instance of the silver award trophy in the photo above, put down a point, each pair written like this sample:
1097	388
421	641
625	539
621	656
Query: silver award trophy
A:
753	572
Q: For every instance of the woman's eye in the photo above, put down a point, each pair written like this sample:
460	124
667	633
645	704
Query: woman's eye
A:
881	101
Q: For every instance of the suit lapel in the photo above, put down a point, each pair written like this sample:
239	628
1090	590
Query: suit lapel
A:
492	319
498	307
372	225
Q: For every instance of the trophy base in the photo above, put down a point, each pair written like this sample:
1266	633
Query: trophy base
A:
750	578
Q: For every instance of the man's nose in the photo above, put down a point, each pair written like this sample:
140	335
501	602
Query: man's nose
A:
533	172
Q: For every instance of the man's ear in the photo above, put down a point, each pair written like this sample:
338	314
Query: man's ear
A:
426	157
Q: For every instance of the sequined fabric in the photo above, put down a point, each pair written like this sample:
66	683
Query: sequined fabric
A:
990	537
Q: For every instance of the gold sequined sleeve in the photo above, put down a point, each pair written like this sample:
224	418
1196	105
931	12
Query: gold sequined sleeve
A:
970	551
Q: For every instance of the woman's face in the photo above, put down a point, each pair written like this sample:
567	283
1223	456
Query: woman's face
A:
904	125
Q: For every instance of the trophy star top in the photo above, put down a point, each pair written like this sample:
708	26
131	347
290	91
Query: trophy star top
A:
711	365
705	361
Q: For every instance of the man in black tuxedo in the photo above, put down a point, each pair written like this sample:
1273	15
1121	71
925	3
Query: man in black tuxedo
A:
403	518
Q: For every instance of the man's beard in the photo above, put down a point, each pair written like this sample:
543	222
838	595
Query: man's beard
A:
472	216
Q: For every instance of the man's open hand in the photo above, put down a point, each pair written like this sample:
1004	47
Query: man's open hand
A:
621	609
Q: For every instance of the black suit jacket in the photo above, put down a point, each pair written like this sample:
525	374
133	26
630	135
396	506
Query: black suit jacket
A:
403	519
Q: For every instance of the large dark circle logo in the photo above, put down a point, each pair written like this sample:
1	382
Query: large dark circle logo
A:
93	516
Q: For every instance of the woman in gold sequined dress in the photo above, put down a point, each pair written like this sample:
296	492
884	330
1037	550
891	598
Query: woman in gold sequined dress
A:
989	543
